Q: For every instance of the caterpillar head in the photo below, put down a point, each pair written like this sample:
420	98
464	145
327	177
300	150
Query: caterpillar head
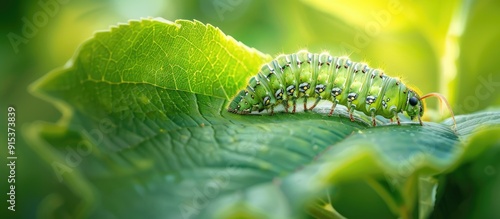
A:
239	105
414	105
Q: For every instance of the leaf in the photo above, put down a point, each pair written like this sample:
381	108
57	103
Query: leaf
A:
145	134
105	86
472	187
149	51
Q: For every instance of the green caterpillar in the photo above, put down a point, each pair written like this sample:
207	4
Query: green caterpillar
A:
325	77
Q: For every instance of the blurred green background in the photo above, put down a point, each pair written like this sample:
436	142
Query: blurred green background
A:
451	47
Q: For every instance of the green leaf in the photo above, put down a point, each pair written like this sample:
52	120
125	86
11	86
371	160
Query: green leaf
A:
472	187
145	134
204	60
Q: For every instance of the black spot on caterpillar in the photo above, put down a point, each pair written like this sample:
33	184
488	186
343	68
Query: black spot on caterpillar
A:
325	77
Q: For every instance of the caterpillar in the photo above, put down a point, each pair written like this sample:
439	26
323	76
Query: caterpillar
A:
337	79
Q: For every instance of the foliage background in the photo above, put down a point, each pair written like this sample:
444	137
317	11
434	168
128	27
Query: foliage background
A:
444	46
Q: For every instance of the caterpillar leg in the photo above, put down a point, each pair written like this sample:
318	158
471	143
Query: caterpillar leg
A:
351	110
305	103
373	119
315	103
272	110
333	108
285	104
294	105
396	116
